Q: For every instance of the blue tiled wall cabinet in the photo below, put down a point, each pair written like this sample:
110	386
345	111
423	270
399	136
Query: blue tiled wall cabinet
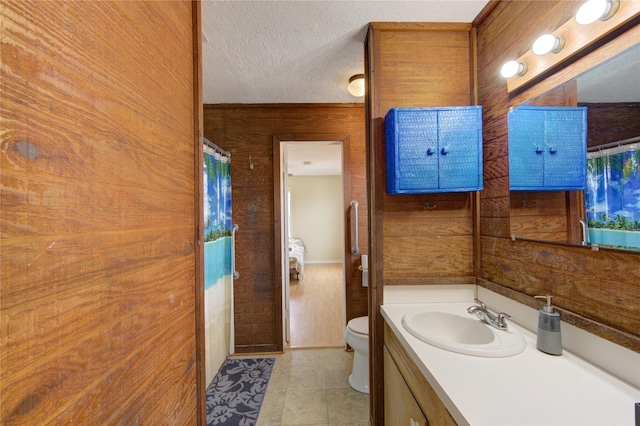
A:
433	150
548	148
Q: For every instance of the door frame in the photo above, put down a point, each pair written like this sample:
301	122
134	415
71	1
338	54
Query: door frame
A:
198	243
278	212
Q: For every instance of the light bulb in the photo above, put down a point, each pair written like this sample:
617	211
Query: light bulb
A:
547	43
513	68
594	10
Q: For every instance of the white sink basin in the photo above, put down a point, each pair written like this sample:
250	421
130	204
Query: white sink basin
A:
450	327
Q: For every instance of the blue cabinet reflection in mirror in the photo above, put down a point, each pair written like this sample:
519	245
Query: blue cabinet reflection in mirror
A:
547	148
433	150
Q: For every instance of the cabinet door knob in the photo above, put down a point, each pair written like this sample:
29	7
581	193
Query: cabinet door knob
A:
539	151
552	151
429	152
443	152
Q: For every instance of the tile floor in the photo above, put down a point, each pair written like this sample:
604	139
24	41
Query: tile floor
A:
310	387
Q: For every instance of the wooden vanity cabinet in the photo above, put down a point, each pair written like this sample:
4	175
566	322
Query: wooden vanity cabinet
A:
407	394
400	406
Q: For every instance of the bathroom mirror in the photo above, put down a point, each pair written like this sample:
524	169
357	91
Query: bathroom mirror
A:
611	92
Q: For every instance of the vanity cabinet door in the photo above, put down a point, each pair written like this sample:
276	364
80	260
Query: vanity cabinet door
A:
433	150
547	148
400	408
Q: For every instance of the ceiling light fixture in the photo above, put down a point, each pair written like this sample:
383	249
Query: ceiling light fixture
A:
547	43
513	68
596	10
356	85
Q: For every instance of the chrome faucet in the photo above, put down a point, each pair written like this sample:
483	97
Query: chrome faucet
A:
495	321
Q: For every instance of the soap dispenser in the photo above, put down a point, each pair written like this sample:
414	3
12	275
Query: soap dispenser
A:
549	336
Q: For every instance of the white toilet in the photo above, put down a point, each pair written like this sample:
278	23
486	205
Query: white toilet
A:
356	335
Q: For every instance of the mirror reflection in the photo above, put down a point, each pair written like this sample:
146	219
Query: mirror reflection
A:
607	213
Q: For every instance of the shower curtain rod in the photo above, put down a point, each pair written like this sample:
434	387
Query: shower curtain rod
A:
216	147
614	144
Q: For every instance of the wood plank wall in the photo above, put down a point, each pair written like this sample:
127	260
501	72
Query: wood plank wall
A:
98	228
413	65
420	244
612	122
596	290
542	215
249	130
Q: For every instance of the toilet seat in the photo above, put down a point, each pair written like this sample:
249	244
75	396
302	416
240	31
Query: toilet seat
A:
359	325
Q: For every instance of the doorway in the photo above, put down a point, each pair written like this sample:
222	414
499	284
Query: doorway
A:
312	250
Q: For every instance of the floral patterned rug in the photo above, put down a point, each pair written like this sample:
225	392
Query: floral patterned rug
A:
236	393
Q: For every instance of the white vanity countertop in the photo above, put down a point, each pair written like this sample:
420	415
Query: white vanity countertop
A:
531	388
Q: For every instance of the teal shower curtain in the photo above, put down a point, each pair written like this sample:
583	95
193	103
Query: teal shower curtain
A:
612	197
218	247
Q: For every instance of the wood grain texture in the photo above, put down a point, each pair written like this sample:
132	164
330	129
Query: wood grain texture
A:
400	406
539	215
577	42
249	130
424	394
418	242
549	215
98	227
200	356
317	312
591	287
607	123
413	65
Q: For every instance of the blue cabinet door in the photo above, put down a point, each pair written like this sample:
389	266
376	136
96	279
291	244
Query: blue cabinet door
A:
417	150
526	149
460	148
565	165
547	148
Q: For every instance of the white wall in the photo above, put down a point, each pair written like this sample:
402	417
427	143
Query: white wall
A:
317	216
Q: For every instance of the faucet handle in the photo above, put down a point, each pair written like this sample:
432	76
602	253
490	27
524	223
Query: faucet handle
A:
500	319
481	303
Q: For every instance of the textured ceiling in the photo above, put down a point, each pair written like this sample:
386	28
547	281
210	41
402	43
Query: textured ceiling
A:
300	51
615	80
314	159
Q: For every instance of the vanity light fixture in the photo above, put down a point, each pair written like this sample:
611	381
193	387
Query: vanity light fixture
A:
571	41
356	85
547	43
513	68
596	10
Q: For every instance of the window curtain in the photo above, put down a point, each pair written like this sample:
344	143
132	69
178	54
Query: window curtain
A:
218	278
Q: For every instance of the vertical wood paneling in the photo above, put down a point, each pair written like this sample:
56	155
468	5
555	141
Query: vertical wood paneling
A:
609	123
98	215
413	65
249	130
588	286
200	355
420	243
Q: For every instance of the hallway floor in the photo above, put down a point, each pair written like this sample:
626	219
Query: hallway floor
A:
317	307
310	387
